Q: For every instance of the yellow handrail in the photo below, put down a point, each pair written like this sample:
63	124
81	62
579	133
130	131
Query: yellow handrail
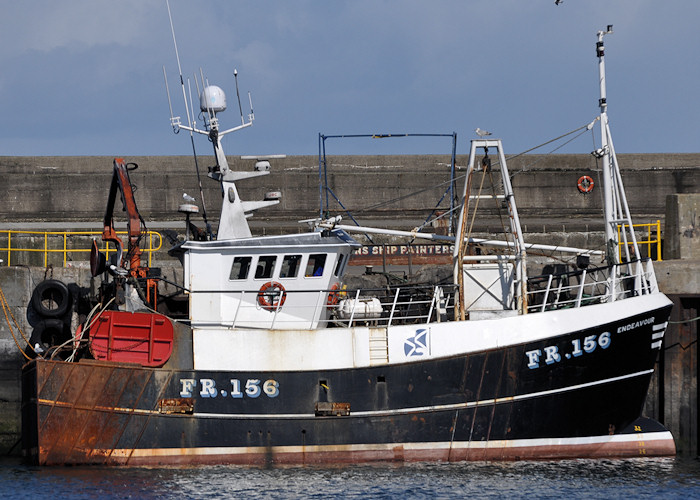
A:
650	242
65	250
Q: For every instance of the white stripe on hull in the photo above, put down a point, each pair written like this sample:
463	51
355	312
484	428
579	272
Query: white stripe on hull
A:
616	446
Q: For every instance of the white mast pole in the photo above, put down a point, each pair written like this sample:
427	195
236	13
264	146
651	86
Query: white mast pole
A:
608	181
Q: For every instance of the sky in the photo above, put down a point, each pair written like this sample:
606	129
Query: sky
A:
85	77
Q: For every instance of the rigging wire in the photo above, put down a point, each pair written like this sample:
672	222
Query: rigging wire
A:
586	126
187	110
583	128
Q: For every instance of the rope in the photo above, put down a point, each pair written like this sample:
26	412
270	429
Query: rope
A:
6	309
684	321
500	212
89	321
476	205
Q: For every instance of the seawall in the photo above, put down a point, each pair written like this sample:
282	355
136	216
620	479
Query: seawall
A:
401	190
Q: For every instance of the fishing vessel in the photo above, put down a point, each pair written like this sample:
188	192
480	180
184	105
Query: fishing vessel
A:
279	361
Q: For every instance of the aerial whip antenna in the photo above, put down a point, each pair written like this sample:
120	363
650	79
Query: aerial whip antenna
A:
170	104
175	121
238	95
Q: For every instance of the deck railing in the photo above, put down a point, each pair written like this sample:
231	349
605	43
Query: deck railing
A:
590	286
65	244
415	305
395	306
380	307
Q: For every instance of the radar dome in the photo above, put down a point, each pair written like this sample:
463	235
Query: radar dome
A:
212	99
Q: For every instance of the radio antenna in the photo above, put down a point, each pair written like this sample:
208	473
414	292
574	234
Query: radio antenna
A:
176	122
238	95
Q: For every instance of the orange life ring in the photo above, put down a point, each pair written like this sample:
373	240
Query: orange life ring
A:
272	296
333	296
585	184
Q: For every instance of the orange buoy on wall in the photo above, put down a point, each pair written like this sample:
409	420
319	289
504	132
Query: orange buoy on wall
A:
585	184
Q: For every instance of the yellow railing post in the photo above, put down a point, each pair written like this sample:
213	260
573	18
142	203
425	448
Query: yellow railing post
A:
65	249
46	249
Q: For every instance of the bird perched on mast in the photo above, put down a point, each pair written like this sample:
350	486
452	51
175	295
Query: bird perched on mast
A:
481	133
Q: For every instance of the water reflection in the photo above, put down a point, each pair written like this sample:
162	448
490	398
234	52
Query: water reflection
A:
642	478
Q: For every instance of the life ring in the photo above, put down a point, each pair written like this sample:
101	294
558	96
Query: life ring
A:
272	296
585	184
333	296
51	299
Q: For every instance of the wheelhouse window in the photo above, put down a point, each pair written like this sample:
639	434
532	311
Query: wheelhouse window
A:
290	266
240	268
265	267
341	264
314	266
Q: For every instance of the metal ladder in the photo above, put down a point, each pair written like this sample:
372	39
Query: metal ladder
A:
517	252
378	346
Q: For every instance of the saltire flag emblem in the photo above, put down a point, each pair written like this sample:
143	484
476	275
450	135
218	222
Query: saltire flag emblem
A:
417	345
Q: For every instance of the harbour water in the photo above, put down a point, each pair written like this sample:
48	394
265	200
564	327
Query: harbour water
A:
602	479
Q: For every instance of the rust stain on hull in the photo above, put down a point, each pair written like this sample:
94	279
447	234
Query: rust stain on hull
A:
86	412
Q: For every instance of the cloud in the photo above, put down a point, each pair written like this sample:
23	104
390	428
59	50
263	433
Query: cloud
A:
525	69
78	24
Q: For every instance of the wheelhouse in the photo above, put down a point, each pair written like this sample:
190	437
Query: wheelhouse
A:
282	282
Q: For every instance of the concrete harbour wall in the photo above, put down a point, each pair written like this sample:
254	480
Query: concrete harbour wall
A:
399	190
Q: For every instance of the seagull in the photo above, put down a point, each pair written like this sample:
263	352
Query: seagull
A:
557	2
481	133
188	198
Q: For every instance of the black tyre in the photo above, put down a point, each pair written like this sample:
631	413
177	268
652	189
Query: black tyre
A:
47	334
51	299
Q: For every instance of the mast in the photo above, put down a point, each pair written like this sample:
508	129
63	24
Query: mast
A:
608	208
212	100
618	222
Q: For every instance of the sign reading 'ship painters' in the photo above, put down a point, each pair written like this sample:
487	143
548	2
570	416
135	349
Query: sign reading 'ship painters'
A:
403	254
